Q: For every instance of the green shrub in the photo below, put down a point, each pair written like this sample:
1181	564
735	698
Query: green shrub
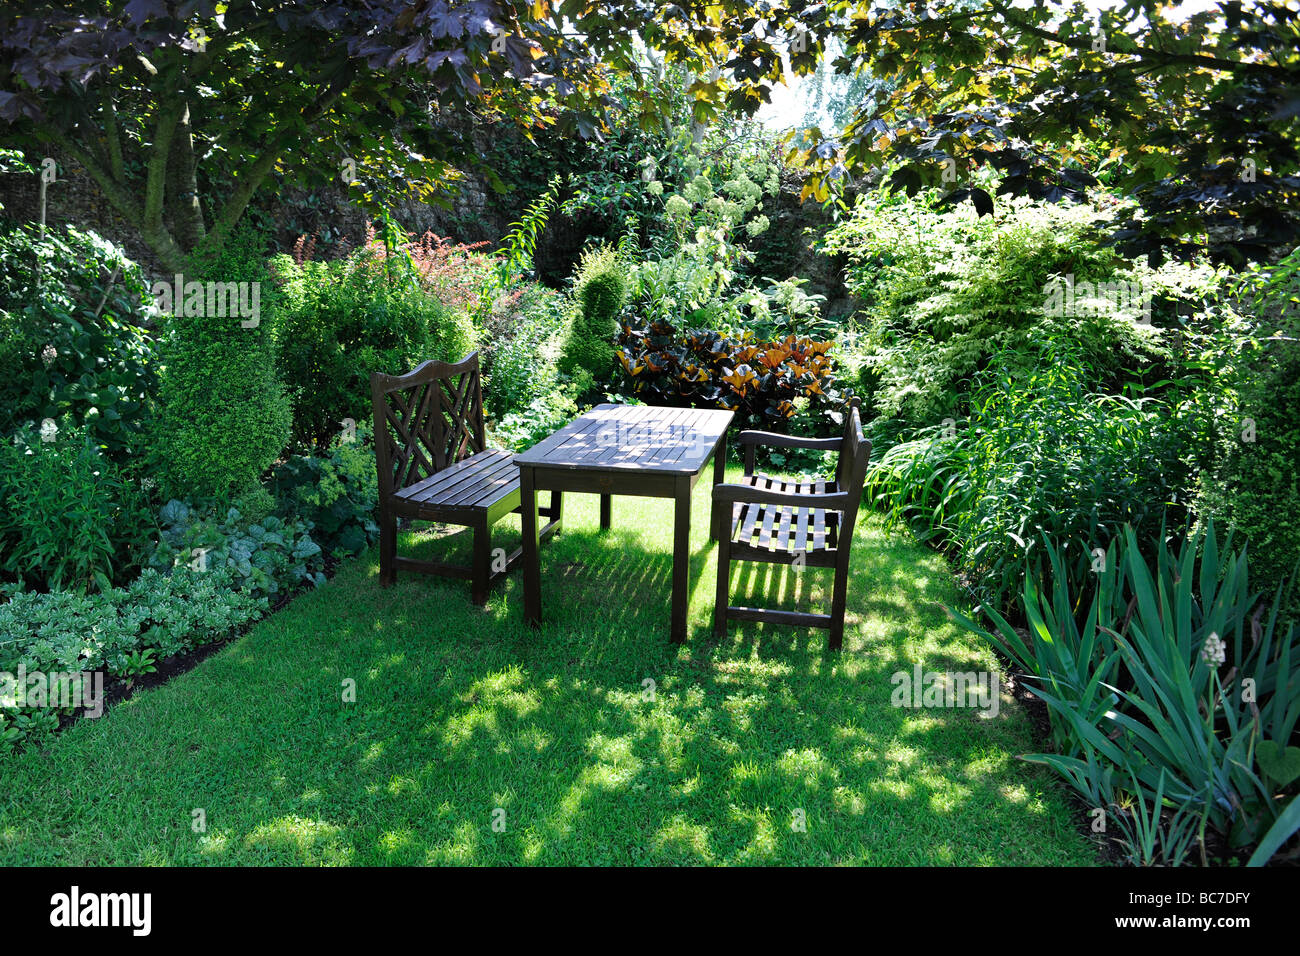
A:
69	519
945	291
547	413
1166	681
599	286
340	321
1256	485
1041	455
523	355
224	415
922	482
72	307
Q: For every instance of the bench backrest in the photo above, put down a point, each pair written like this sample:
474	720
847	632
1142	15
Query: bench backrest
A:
426	420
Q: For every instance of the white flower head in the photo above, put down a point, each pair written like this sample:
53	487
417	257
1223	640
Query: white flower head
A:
1214	651
48	355
49	430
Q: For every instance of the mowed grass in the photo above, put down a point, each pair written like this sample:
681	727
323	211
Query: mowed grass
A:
475	739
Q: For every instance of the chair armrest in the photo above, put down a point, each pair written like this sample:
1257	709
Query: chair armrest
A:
750	437
748	494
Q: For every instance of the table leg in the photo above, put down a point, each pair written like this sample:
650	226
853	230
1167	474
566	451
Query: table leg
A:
532	570
718	525
681	557
604	512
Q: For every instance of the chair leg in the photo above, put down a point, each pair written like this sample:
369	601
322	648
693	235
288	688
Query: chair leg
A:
481	563
387	550
838	600
722	598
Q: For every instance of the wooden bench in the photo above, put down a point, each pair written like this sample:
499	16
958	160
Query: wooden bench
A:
434	466
809	524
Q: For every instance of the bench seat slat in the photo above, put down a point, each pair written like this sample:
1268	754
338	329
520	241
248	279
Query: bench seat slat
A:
476	481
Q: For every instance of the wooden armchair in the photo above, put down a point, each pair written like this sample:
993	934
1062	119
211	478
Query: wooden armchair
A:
434	466
793	523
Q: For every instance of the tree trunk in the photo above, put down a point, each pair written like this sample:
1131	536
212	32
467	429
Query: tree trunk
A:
183	202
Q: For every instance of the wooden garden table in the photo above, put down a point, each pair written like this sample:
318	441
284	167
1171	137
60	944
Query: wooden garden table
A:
640	450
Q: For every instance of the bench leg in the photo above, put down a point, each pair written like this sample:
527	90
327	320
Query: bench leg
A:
387	550
481	563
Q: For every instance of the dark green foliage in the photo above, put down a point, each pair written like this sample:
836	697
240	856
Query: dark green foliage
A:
599	287
336	491
1041	455
1260	491
339	321
71	341
1023	88
69	518
519	244
267	557
1256	487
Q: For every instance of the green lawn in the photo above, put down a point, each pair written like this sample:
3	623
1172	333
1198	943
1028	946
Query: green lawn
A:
462	713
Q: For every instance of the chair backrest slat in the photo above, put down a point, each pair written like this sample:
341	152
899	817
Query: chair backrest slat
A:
425	420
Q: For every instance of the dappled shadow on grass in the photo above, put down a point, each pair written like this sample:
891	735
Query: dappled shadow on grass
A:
474	738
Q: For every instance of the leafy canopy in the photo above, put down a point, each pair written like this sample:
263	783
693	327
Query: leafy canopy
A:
1196	118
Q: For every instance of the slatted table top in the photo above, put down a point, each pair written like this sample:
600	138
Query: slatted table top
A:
633	437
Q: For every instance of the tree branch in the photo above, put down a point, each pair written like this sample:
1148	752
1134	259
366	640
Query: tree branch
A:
252	176
115	192
169	115
1189	59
